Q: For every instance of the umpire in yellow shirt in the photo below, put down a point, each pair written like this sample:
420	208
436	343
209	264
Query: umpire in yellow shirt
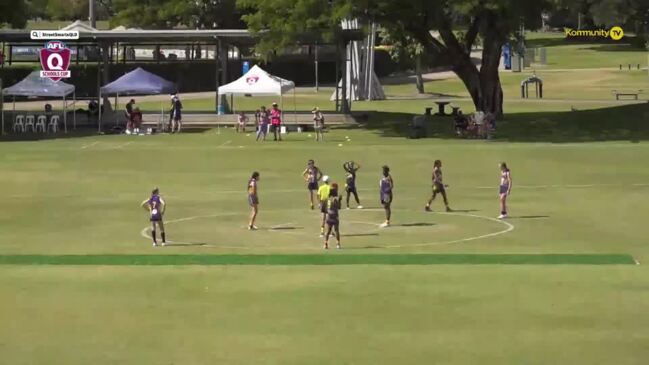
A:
323	197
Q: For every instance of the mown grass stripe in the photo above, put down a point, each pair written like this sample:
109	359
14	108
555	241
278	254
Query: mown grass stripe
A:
332	258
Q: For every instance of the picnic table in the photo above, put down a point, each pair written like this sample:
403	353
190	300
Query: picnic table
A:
619	93
441	105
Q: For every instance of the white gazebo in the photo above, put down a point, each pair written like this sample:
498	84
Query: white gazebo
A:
257	82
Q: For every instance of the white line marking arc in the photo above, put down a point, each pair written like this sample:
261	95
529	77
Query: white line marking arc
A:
508	228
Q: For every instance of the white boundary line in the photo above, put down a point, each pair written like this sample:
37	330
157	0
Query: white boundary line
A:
508	228
89	145
122	145
224	143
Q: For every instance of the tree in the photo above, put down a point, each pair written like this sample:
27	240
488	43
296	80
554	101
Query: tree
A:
14	13
211	14
67	9
633	15
494	21
406	50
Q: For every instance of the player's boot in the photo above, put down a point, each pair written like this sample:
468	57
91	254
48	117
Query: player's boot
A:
427	208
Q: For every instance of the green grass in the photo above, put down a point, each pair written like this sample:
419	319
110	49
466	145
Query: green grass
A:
284	260
522	291
80	196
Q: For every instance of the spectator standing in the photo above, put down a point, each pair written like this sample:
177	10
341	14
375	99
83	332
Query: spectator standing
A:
264	121
128	112
176	113
136	120
318	124
276	122
242	120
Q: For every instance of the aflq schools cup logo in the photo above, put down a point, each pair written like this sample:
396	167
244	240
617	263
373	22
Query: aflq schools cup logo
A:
251	80
55	60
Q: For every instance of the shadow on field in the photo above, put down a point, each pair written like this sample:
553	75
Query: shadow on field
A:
284	228
29	136
529	217
620	123
187	244
418	224
360	235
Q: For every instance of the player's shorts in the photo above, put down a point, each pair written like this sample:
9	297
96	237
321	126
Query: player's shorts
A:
253	200
313	185
504	189
438	188
386	198
350	188
156	216
323	208
333	222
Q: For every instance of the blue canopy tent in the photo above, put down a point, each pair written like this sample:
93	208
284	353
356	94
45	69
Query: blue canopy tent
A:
137	82
35	85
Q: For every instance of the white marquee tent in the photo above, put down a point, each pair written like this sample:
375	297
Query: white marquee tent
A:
257	82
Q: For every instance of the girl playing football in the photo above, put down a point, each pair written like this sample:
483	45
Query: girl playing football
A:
156	206
350	182
438	186
505	189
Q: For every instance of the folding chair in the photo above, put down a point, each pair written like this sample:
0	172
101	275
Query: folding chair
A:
29	122
19	123
54	124
40	123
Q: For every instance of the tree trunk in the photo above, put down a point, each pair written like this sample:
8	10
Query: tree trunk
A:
419	78
492	92
484	84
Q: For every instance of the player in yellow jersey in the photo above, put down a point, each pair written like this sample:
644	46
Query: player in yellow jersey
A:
323	197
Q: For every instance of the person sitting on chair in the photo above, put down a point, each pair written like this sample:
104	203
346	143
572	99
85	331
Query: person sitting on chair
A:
461	124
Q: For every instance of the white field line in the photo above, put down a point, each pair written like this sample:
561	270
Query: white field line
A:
122	145
89	145
508	228
224	143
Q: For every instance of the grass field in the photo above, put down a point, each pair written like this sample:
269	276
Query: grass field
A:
461	304
564	280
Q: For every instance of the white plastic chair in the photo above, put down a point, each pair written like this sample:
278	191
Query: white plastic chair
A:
54	124
29	122
19	123
40	123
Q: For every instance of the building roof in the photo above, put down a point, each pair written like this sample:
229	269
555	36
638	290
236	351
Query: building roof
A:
142	36
79	26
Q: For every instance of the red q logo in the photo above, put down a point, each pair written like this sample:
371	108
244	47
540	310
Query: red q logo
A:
252	79
55	60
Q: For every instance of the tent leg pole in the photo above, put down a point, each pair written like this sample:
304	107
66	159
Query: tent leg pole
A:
99	115
74	112
65	115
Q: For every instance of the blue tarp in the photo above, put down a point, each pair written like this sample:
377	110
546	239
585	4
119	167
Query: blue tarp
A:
139	82
35	85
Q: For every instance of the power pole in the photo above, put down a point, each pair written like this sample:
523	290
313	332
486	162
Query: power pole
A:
91	13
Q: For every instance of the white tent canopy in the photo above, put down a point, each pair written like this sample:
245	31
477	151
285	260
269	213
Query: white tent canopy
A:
257	82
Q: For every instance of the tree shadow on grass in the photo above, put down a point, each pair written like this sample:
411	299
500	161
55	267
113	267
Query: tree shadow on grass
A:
619	123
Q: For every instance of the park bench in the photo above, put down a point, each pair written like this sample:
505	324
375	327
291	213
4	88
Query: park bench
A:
619	93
